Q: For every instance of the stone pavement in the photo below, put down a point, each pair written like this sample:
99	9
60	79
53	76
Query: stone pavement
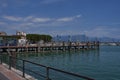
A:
6	74
2	77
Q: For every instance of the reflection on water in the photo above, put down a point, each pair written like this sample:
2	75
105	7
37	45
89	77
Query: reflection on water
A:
73	61
68	57
100	64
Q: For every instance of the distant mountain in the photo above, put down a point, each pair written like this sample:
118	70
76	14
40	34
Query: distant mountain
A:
71	38
83	38
107	39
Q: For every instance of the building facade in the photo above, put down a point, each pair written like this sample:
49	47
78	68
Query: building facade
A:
3	33
13	40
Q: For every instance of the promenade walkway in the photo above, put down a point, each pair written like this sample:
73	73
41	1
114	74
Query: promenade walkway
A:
6	74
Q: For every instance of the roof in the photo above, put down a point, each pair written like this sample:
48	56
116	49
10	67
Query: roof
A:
3	33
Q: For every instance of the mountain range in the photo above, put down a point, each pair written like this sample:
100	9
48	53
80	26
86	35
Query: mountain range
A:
84	38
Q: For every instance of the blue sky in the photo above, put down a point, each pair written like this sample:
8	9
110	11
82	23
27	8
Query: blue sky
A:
95	18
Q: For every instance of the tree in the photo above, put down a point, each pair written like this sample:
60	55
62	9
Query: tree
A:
37	37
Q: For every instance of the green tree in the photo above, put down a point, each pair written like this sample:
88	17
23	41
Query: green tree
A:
37	37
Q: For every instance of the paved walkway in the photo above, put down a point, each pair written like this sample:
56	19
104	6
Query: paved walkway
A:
2	77
6	74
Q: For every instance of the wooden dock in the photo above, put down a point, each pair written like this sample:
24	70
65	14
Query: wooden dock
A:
52	46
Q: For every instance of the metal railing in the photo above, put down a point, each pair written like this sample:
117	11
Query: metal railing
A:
47	68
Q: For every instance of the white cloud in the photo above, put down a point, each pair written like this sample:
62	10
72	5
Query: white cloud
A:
41	19
102	31
26	24
12	18
50	1
78	16
67	19
28	18
1	23
3	3
30	22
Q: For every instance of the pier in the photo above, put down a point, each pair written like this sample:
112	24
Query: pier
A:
11	53
52	46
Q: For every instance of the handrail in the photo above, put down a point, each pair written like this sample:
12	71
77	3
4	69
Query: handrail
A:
73	74
46	67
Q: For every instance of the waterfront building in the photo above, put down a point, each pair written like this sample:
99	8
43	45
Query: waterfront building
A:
21	41
8	40
3	33
12	40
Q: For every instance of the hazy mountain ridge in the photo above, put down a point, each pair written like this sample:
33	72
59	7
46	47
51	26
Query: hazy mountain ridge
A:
84	38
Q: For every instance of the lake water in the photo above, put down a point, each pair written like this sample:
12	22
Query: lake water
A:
102	64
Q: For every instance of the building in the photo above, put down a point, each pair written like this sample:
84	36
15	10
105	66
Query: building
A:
2	41
8	40
3	33
13	40
21	33
22	41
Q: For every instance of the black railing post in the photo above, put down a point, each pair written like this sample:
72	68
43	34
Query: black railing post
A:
23	68
10	61
0	58
47	73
